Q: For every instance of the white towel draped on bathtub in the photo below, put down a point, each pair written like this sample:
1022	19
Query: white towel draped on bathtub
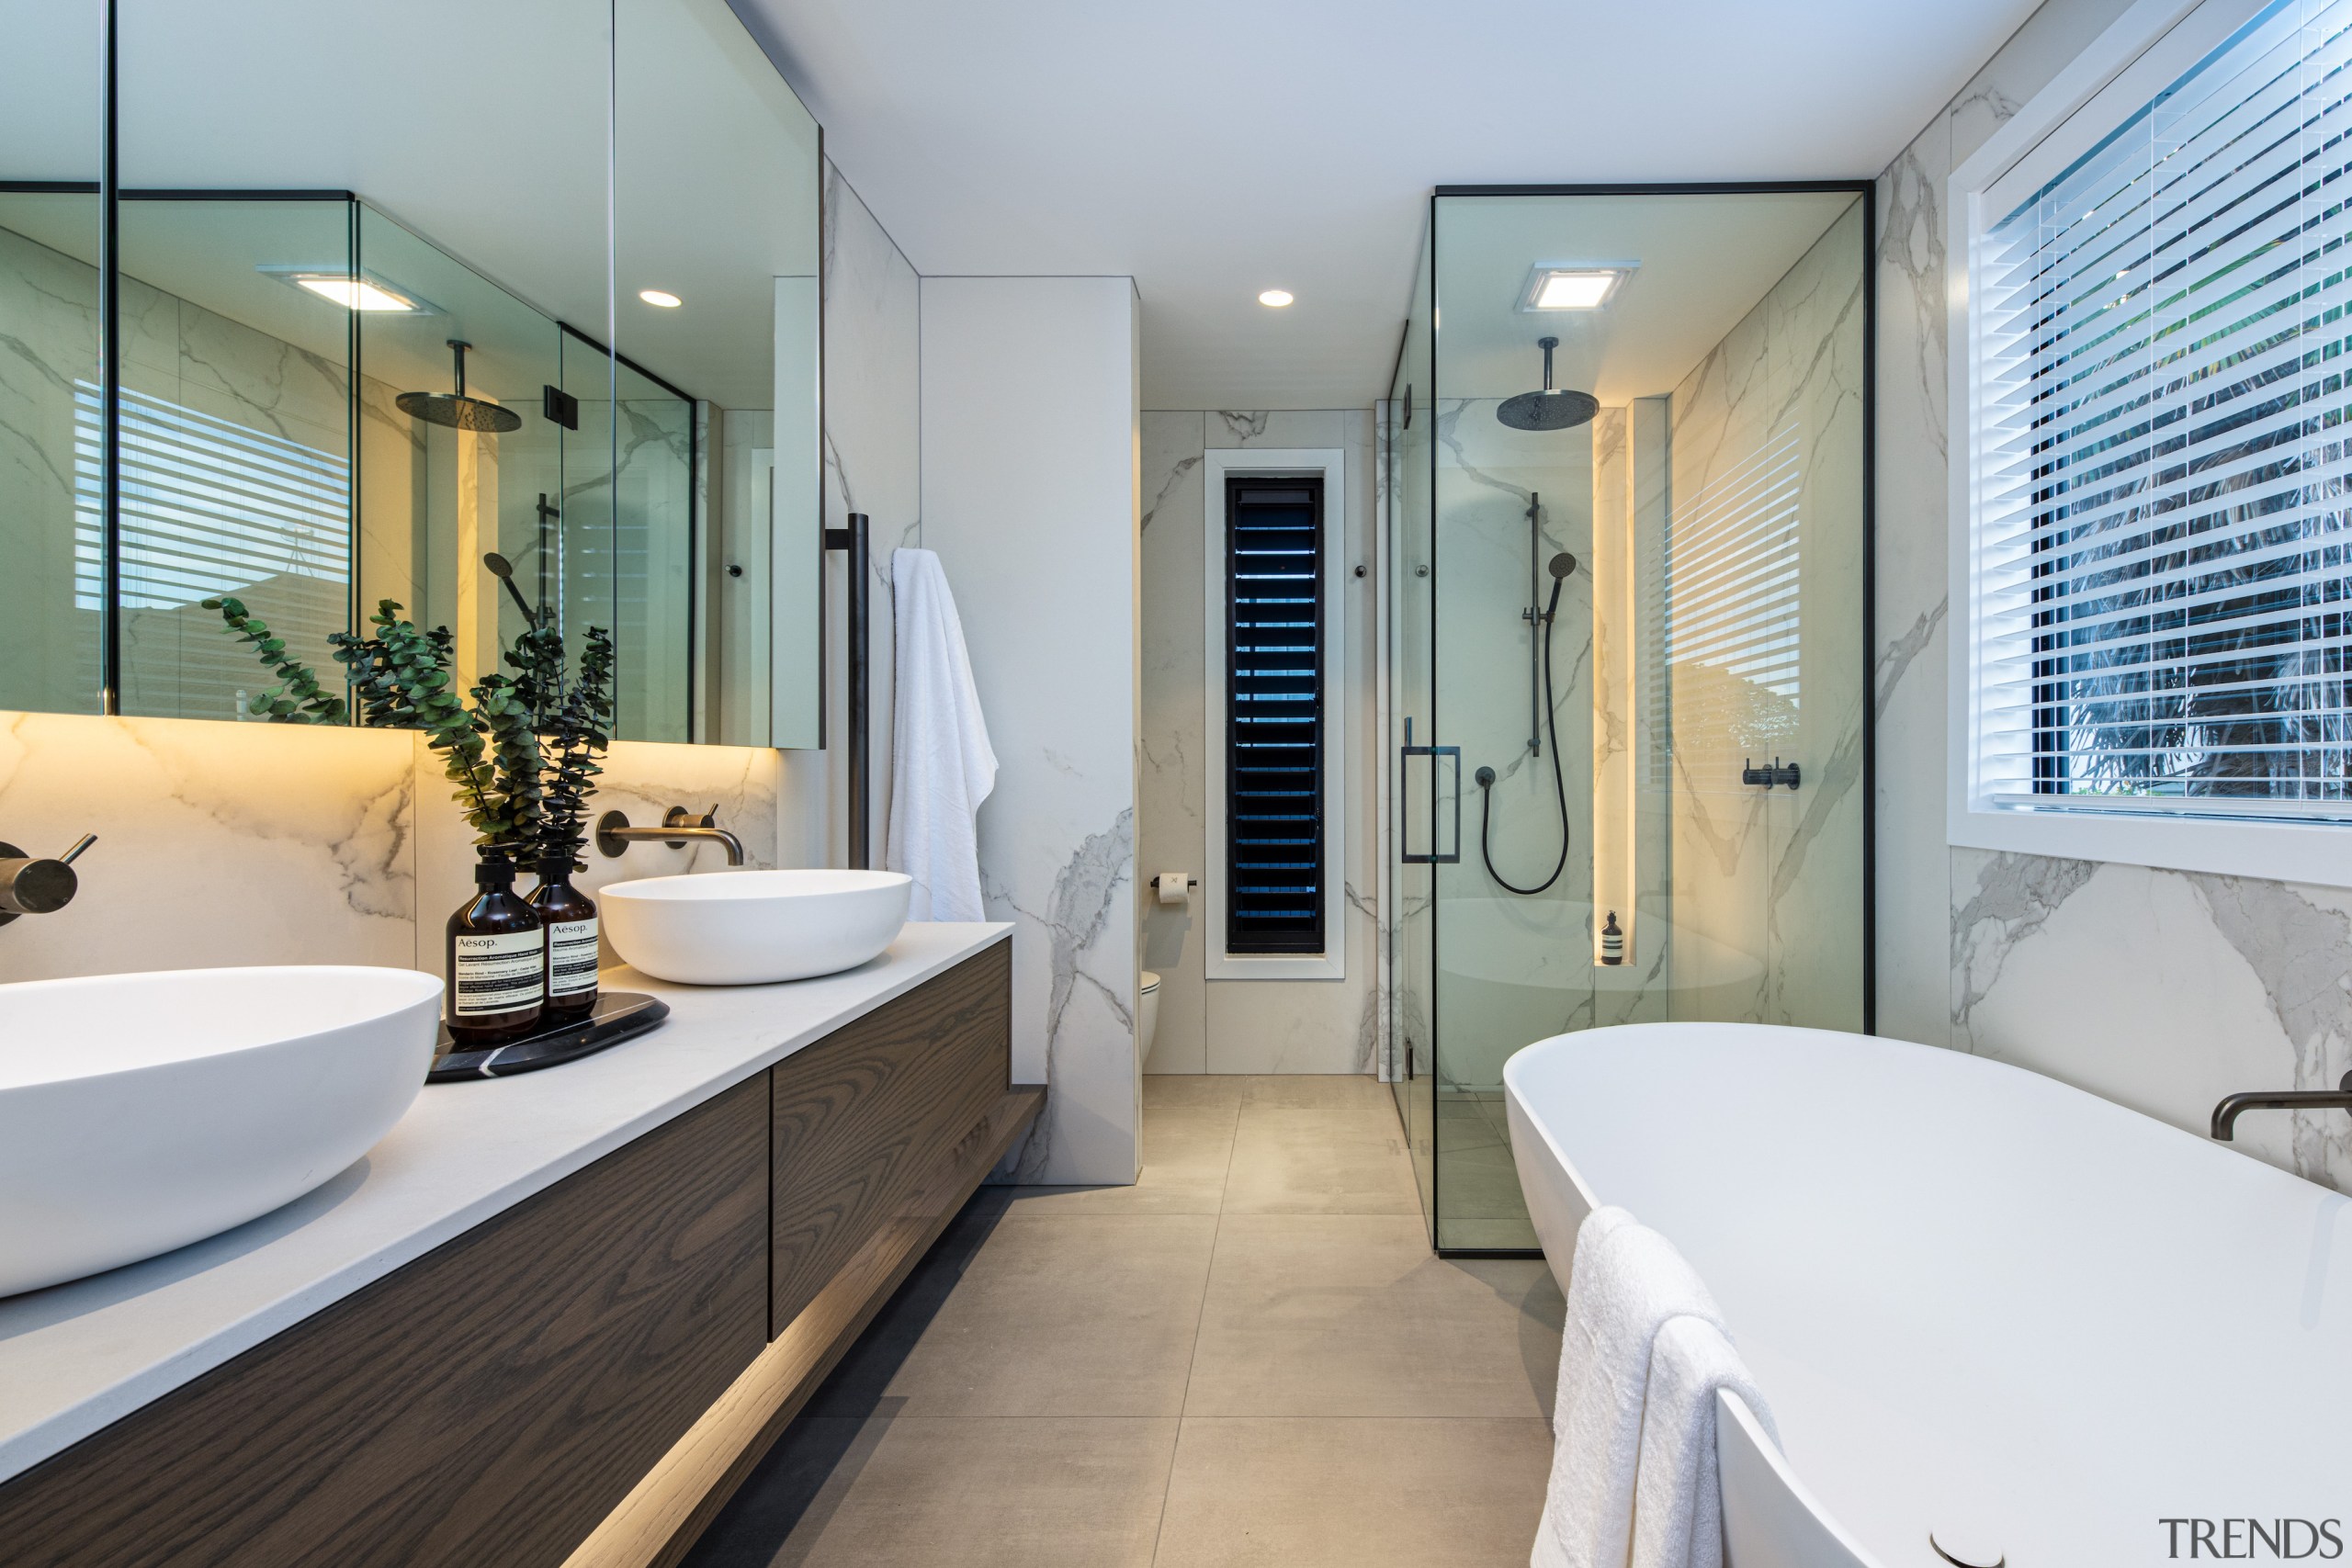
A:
1626	1285
1679	1494
941	764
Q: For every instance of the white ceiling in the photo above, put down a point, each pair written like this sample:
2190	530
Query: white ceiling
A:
1220	147
1703	262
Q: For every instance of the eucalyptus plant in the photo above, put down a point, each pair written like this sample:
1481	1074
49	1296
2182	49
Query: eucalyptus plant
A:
576	734
297	698
521	749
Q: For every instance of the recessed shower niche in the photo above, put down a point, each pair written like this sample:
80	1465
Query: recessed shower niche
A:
335	335
1625	457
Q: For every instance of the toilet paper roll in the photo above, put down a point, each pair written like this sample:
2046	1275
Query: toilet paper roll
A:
1174	885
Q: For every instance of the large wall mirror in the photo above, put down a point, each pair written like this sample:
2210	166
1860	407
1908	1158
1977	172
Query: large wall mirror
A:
392	318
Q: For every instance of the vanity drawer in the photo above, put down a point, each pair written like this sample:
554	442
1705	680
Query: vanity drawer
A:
485	1405
863	1117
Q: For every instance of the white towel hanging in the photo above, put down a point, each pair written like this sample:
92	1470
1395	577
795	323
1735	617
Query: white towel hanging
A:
1626	1284
942	767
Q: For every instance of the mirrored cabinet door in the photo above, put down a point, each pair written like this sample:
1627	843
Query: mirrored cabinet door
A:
347	265
716	224
52	592
345	331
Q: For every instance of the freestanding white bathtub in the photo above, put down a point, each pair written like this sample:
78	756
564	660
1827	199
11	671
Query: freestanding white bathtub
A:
1980	1301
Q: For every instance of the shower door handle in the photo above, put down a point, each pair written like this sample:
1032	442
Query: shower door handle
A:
1437	756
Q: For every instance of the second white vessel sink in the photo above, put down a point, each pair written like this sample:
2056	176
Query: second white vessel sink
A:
749	927
140	1113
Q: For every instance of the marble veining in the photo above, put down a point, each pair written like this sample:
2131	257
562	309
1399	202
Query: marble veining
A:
1085	893
2303	955
2013	897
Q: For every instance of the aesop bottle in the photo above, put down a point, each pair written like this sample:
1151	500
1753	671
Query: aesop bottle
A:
497	986
568	917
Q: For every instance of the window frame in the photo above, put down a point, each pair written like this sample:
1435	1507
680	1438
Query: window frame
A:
2145	50
1329	465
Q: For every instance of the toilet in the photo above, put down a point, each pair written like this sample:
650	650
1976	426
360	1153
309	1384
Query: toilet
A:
1150	994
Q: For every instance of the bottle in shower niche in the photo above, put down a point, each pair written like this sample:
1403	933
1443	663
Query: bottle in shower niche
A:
497	983
568	918
1612	942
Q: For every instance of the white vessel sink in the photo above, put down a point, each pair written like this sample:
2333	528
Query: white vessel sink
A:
748	927
140	1113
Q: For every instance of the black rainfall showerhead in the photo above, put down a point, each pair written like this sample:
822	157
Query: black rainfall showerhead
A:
455	410
1549	409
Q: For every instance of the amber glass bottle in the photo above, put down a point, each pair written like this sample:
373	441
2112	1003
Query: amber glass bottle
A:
497	964
568	917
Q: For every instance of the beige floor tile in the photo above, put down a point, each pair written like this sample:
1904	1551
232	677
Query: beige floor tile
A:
1191	1089
1322	1493
1317	1091
1480	1180
1347	1161
1351	1315
1054	1314
912	1491
1186	1149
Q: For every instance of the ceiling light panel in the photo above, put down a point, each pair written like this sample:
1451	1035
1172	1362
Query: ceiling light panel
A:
351	293
1562	286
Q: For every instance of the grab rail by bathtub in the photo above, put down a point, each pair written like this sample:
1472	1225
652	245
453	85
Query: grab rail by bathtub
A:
2225	1115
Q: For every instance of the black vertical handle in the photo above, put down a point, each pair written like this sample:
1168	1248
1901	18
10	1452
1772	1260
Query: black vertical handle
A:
854	540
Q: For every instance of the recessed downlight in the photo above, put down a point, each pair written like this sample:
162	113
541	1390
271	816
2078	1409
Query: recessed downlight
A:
1277	298
661	296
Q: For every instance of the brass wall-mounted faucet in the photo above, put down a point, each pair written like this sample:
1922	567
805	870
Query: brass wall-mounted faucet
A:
614	835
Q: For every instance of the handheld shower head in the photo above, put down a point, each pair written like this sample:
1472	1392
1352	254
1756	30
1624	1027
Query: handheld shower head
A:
1562	565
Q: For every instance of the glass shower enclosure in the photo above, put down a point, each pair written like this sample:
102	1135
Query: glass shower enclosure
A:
1626	473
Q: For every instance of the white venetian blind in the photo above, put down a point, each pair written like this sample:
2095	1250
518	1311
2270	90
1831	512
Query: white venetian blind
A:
1732	632
2160	527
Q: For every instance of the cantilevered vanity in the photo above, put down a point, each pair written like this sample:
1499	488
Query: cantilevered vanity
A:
550	1319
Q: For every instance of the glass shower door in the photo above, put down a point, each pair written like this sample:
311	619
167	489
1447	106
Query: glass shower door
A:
1421	830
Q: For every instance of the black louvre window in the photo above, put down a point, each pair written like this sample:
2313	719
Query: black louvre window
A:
1275	856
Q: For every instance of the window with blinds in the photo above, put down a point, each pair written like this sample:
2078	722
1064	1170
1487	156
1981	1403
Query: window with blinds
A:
1275	843
2158	563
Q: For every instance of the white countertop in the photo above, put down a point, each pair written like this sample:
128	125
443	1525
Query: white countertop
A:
78	1356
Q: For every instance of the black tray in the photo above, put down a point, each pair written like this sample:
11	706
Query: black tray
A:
619	1015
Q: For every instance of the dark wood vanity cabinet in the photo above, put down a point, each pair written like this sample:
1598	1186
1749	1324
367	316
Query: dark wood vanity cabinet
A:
863	1117
494	1401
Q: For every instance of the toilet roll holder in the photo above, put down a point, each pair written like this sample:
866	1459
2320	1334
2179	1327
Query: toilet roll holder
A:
1171	895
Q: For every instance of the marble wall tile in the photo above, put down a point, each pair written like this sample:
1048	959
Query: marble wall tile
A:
217	843
2162	990
1030	498
1171	741
1248	1026
1775	875
643	778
